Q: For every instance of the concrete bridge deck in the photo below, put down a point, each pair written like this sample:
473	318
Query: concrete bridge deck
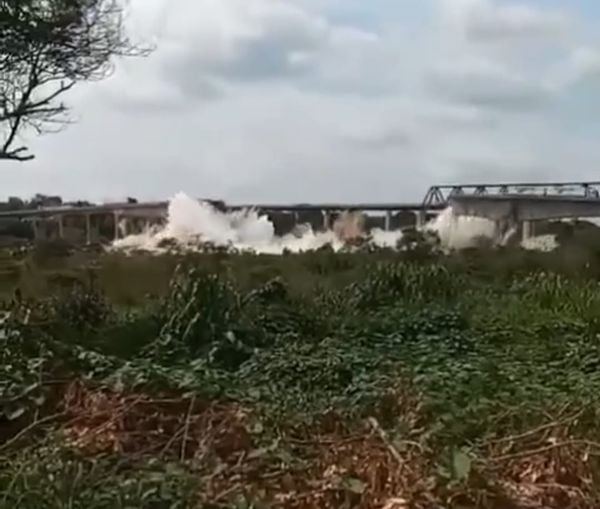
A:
160	208
123	214
525	207
519	211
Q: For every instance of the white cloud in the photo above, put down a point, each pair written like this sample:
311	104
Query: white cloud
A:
493	21
247	39
586	60
583	65
486	84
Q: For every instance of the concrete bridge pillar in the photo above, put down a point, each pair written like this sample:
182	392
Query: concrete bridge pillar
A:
88	229
326	220
527	230
421	217
125	225
116	225
35	225
61	226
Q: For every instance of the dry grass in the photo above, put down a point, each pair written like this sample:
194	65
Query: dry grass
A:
331	464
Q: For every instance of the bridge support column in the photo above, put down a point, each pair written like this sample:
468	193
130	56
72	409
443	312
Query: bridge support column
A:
61	226
88	229
35	226
388	220
116	225
527	230
125	226
326	220
421	219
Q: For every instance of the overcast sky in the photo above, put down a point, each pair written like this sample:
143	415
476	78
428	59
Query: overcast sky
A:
309	100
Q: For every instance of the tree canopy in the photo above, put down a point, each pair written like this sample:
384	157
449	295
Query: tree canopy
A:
46	48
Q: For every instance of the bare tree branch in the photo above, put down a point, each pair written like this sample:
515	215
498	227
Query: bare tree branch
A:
46	48
15	155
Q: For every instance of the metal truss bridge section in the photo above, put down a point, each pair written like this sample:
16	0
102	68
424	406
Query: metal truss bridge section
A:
440	195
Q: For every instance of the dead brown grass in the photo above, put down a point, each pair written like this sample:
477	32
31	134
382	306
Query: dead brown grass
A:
331	464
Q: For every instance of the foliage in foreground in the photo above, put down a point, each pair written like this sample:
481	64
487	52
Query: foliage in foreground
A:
419	384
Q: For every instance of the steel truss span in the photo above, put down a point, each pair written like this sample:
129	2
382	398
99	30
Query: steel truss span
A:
440	194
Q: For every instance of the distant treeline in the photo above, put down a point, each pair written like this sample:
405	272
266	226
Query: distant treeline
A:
38	201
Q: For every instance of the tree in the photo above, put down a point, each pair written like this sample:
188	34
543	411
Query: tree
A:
46	48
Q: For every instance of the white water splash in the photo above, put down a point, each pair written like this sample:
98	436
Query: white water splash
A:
191	223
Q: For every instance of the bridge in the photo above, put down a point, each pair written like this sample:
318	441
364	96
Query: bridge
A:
441	194
131	217
508	204
522	205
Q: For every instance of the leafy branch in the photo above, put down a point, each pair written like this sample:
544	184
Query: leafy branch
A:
46	48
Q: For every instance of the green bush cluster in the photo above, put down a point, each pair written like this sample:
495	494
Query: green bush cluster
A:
472	343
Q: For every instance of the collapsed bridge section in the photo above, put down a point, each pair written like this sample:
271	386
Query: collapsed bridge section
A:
522	211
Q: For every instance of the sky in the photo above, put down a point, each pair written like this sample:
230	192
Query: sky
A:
331	100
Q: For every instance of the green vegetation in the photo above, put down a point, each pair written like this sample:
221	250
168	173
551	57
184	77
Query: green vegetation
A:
319	380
